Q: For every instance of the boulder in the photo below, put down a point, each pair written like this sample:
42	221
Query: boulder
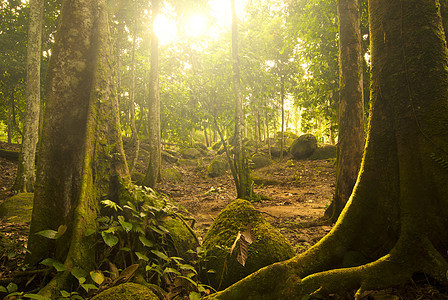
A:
168	157
268	246
183	240
260	160
304	146
324	152
191	153
171	175
18	208
127	291
217	167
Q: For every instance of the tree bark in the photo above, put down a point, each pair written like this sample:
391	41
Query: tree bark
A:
351	106
81	156
153	171
395	221
25	177
244	186
134	139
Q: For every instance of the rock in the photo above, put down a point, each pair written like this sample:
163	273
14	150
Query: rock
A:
217	167
182	238
171	175
269	245
187	162
168	157
324	152
191	153
127	291
18	208
260	160
304	146
264	180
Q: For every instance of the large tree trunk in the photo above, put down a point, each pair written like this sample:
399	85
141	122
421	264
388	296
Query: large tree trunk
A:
351	106
135	140
81	156
243	185
395	221
24	181
153	171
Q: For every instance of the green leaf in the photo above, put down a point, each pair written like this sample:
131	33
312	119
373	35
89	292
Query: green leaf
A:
163	229
89	286
3	289
145	241
157	230
130	206
188	267
110	239
89	232
125	249
194	296
65	294
142	256
49	234
97	276
190	280
61	230
161	255
78	273
12	287
126	225
171	270
53	263
111	204
35	296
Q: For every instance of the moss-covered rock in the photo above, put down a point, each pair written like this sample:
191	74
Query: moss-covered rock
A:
260	160
183	239
304	146
259	179
127	291
171	175
187	162
324	152
137	178
191	153
169	157
269	245
18	208
217	167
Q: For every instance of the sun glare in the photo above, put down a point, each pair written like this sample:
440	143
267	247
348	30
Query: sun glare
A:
222	12
196	25
165	29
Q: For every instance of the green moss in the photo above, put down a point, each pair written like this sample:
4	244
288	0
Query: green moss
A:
269	245
18	208
127	291
217	167
324	152
182	238
171	175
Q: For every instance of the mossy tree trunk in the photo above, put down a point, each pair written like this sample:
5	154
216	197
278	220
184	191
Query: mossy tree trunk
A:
351	106
24	181
243	185
153	171
81	158
394	224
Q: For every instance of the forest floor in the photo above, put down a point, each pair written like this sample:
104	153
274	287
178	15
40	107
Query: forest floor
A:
302	191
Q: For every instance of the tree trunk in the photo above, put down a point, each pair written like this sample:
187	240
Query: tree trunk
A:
153	171
351	106
244	185
10	112
395	221
282	98
81	133
135	140
24	181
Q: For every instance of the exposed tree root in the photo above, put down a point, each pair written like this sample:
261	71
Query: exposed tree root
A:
289	279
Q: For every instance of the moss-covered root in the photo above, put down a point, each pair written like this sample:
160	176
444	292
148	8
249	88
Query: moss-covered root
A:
282	280
266	284
61	282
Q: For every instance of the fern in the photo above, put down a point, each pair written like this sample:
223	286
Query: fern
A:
442	162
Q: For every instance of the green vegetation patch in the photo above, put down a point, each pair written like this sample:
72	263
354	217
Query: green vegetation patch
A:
269	245
127	291
18	208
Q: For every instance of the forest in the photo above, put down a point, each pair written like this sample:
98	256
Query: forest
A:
223	149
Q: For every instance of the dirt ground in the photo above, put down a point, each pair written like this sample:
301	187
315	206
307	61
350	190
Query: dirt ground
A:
302	191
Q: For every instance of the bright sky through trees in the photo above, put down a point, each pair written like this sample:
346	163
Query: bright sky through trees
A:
211	24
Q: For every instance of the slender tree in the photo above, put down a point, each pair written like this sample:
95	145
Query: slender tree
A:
26	167
394	224
80	134
153	171
243	183
351	105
